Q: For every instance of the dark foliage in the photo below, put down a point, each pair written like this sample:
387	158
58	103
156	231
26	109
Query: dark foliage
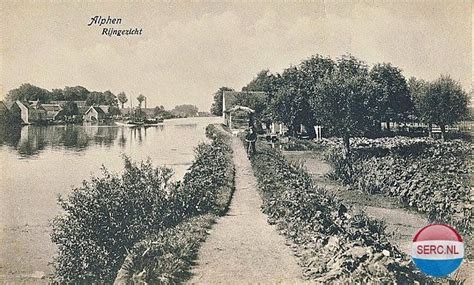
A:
334	245
104	218
430	176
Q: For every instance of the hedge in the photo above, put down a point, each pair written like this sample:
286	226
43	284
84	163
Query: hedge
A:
104	218
165	257
333	244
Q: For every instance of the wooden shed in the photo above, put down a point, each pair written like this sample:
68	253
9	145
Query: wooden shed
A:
238	117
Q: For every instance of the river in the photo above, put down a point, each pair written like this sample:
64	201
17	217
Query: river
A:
39	162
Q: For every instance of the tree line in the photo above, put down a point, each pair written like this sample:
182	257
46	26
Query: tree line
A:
29	92
349	98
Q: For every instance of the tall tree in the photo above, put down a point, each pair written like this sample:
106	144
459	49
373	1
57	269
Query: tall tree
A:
186	110
77	93
417	89
110	99
264	82
140	99
394	102
57	95
445	103
28	92
122	98
101	98
312	71
216	108
287	105
346	100
268	83
70	109
294	102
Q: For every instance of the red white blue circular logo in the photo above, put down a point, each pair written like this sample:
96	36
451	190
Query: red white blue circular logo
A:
437	250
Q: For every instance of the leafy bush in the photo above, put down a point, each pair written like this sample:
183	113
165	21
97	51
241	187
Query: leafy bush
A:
333	245
207	189
428	175
165	257
105	217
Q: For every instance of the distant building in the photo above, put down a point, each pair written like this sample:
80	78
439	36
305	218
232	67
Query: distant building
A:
19	110
238	117
62	103
94	114
204	114
234	115
36	112
52	111
229	98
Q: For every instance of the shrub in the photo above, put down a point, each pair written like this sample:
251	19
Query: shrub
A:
333	245
165	257
208	186
428	175
105	217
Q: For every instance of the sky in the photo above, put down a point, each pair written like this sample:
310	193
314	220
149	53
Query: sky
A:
188	49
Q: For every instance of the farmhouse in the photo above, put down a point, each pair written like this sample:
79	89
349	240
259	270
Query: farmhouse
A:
26	113
94	114
36	112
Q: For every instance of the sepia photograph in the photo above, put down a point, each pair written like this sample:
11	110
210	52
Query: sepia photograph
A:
236	142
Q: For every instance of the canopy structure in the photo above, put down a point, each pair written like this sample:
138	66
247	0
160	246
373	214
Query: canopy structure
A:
240	108
238	117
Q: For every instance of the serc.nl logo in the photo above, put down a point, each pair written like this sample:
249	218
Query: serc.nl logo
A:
437	250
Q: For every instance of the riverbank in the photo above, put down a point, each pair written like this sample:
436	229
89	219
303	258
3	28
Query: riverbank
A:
136	213
29	190
166	256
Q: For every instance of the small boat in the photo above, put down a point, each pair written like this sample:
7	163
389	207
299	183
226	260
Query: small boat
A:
129	123
144	123
153	121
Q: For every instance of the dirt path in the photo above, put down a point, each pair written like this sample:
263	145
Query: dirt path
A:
402	224
242	247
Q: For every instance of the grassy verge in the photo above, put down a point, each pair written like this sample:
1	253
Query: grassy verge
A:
333	244
141	210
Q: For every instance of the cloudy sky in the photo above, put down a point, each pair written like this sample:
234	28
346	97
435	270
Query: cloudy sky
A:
190	49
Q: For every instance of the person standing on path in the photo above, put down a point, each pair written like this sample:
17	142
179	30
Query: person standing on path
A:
251	139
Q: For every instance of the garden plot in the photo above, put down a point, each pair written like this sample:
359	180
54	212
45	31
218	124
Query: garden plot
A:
401	223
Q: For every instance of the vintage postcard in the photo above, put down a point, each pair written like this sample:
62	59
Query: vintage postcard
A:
236	142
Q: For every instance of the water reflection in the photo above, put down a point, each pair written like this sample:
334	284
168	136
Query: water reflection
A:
32	140
44	161
9	135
